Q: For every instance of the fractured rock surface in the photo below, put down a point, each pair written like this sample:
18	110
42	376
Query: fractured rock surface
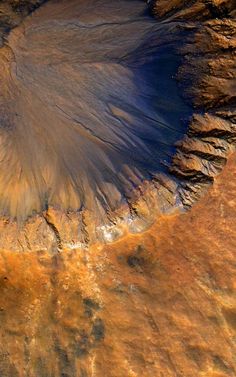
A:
91	112
207	76
158	304
111	121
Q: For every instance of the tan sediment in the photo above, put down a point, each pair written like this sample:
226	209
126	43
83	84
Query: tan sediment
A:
152	304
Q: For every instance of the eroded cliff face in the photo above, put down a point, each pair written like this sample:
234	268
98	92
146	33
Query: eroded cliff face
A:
13	12
94	99
157	304
120	275
207	77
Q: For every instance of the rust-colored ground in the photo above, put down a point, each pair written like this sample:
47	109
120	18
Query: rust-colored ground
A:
161	304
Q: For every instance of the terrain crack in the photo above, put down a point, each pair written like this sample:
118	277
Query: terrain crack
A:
54	229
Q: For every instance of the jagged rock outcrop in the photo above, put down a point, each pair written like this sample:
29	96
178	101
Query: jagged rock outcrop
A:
157	304
143	288
83	130
198	38
207	77
12	13
195	10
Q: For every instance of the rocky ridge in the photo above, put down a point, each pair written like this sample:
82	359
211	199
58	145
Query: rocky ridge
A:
207	77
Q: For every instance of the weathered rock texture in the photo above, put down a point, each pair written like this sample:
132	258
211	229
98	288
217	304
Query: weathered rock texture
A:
12	13
130	286
78	151
208	79
158	304
89	108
